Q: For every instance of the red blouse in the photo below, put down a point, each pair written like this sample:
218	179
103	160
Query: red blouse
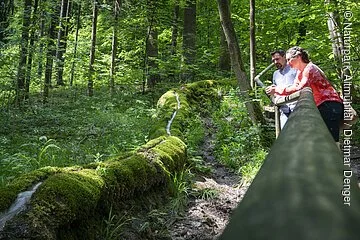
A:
312	76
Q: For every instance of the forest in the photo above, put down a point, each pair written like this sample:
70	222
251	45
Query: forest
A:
88	90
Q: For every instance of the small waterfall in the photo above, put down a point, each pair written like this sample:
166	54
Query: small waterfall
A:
18	205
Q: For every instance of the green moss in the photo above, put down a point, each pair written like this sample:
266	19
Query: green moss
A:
23	183
69	195
65	197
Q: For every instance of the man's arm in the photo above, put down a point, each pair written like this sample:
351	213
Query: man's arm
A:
298	84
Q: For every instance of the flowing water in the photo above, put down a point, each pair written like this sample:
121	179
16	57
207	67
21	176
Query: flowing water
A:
17	206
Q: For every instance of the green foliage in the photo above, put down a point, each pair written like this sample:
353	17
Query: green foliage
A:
195	133
238	143
180	189
72	130
114	225
205	193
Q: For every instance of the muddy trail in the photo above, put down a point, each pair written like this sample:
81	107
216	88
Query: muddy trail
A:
206	217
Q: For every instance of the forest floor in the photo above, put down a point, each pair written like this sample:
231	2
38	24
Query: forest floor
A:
355	162
205	218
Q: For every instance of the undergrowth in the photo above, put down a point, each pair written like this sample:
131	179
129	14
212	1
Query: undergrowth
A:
72	129
238	140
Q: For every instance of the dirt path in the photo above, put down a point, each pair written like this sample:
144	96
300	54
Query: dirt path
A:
207	216
355	161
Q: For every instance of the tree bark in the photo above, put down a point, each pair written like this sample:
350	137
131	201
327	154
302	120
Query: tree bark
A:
252	44
224	59
174	33
72	71
114	44
236	61
335	35
189	40
20	87
61	40
31	53
92	50
152	45
41	45
51	49
6	10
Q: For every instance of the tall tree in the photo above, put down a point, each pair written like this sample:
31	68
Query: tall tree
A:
175	22
224	58
50	51
62	39
114	44
252	43
236	61
189	39
31	47
41	44
20	87
6	10
92	49
335	34
72	71
152	44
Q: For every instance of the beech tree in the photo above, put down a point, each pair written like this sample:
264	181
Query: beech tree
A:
183	41
92	49
236	61
114	43
189	39
151	42
20	88
62	39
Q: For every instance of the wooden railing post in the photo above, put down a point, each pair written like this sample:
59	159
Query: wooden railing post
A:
277	121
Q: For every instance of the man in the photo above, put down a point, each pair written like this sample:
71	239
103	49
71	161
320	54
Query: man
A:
283	77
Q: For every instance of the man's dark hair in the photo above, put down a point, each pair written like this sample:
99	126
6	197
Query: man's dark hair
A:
281	52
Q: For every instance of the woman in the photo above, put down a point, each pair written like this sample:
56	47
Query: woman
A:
326	98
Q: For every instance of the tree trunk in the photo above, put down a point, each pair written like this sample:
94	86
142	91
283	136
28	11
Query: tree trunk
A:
50	54
61	40
20	87
117	6
92	50
335	35
236	61
41	45
72	71
224	59
252	44
152	45
189	40
6	10
31	53
174	33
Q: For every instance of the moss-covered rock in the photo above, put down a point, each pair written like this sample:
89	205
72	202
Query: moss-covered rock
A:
69	196
73	194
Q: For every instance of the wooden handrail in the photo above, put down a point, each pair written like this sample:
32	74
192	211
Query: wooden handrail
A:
304	190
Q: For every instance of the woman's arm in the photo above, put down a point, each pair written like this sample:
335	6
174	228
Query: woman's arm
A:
298	84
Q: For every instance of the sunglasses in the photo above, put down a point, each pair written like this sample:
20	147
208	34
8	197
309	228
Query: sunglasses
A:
288	59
